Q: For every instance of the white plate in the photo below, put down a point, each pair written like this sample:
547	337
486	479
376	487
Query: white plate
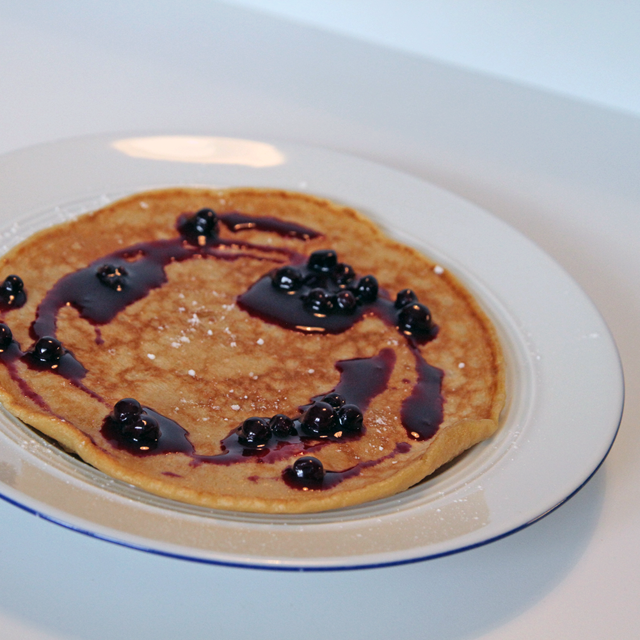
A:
564	376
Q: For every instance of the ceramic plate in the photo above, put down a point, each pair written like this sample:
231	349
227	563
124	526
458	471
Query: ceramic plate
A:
564	377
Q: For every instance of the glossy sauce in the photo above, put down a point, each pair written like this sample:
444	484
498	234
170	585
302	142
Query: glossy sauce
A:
236	221
172	437
361	380
333	478
422	411
287	308
144	264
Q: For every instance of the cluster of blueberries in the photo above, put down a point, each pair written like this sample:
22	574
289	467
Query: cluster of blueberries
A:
333	289
331	284
12	292
134	424
413	318
331	416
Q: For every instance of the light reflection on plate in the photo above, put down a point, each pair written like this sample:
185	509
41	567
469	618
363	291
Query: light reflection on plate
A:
564	377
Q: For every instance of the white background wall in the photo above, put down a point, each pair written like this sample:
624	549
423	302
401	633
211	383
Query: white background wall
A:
587	49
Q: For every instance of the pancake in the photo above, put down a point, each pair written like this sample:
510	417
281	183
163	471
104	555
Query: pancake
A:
245	349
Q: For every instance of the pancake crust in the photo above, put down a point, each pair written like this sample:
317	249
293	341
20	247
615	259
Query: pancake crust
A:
189	352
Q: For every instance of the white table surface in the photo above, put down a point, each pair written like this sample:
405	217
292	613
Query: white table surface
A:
563	172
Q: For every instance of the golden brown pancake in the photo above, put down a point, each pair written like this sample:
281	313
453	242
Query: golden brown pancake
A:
206	331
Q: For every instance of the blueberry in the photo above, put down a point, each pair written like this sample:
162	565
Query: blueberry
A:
324	261
48	350
415	319
282	426
127	410
350	418
112	276
145	430
319	419
308	468
318	301
10	288
346	302
5	336
287	279
205	223
200	227
343	273
13	284
405	297
367	289
334	399
254	432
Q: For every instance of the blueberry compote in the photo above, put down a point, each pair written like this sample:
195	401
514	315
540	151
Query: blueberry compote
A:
324	295
308	473
422	411
49	354
320	294
110	284
140	430
331	417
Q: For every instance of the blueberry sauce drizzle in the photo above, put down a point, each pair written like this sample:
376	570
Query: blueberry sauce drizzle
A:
10	354
361	380
144	264
172	438
320	295
311	303
422	412
236	221
332	478
108	285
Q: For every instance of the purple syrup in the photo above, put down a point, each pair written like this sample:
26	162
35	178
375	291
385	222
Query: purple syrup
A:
333	478
13	302
236	221
67	367
361	380
422	411
172	437
144	264
299	310
287	309
108	285
89	292
9	355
